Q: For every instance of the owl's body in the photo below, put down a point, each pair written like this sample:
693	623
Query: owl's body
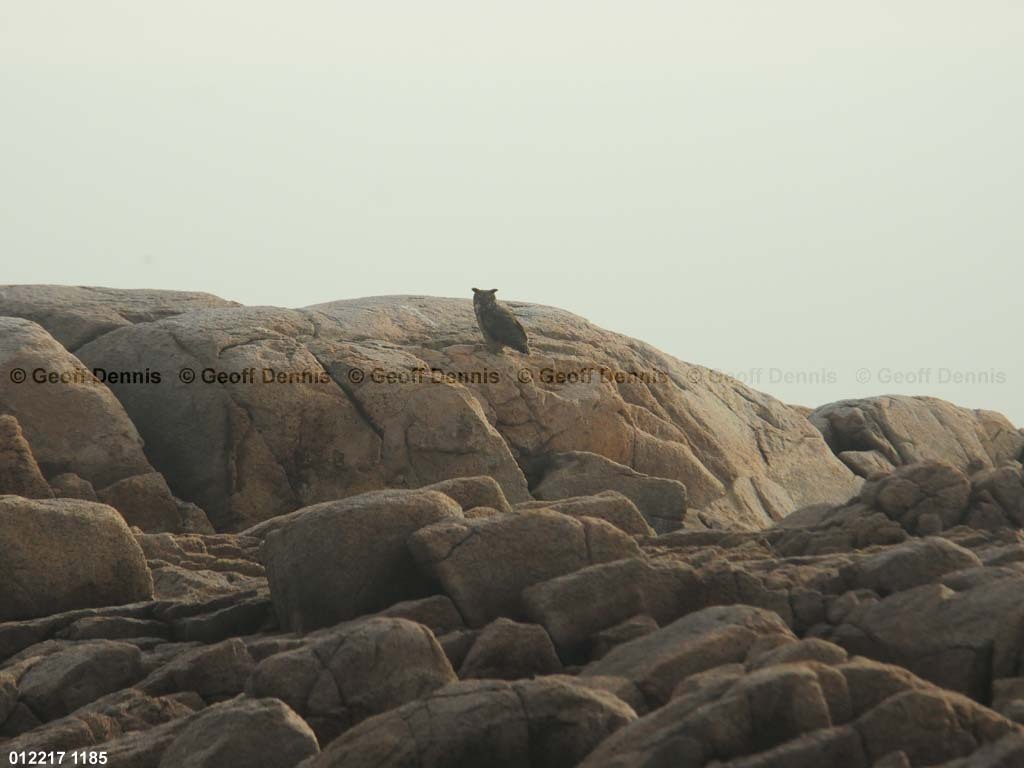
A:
497	323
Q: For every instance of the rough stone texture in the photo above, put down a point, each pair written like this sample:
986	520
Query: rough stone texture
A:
575	607
215	672
543	723
911	564
102	721
623	632
60	554
610	506
341	559
77	426
261	733
68	485
897	430
484	564
658	661
437	613
661	501
247	451
470	492
19	473
75	314
63	681
144	501
948	636
508	650
925	497
238	450
342	675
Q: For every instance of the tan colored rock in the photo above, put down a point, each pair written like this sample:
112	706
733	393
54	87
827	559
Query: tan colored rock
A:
62	554
75	314
77	426
484	564
144	501
924	497
19	473
215	672
345	674
576	607
470	492
437	613
947	637
908	565
509	650
64	681
700	641
905	430
68	485
662	501
238	451
610	506
343	559
543	723
256	733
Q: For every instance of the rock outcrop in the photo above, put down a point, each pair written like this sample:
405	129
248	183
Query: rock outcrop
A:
880	433
60	554
532	567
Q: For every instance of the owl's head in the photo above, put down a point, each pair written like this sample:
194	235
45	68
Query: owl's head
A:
484	296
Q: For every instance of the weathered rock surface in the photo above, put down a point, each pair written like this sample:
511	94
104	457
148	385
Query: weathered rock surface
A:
261	733
661	501
342	559
657	662
60	554
19	473
238	450
342	675
610	506
527	724
398	505
508	650
484	564
75	315
72	423
890	431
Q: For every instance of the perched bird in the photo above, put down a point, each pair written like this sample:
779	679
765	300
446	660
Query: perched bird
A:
497	323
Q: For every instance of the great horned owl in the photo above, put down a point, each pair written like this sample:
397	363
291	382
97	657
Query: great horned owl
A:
497	323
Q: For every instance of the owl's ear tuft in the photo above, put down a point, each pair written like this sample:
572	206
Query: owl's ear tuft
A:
477	290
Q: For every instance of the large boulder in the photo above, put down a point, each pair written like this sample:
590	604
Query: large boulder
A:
342	675
908	565
71	421
401	394
340	559
662	501
612	506
960	638
256	733
543	723
60	554
484	564
75	314
575	607
19	472
924	497
61	682
508	650
658	661
236	440
893	430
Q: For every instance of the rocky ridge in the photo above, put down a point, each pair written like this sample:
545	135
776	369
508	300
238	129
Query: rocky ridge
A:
514	572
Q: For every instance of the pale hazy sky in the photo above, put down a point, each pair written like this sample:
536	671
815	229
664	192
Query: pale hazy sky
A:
799	188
